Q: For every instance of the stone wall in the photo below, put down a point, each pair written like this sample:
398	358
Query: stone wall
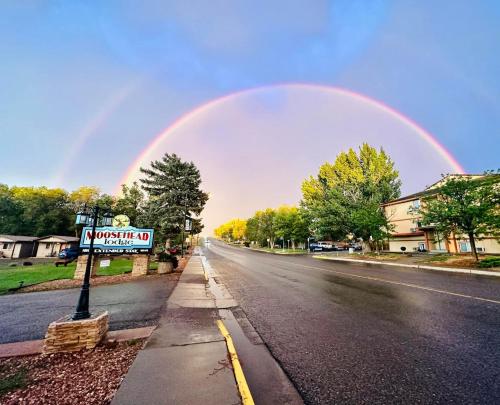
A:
81	264
66	335
140	265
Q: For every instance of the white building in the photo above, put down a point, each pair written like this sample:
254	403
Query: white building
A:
50	246
15	246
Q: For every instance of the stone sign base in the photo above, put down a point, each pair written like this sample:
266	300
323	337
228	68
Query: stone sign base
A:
140	265
81	265
66	335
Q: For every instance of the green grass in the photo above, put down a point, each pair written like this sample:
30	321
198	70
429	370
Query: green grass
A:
14	381
281	251
39	273
438	258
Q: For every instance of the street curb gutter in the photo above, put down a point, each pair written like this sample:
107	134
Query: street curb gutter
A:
415	266
246	395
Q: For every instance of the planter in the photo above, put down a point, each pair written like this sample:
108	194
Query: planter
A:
165	267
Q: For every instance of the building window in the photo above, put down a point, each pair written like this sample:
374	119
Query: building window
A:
47	246
415	204
6	245
464	247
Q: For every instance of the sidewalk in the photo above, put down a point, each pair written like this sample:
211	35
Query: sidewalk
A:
186	359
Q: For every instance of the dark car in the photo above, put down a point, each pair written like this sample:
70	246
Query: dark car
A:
315	247
69	253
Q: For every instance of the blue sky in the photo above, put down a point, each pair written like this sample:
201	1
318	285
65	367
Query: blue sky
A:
85	85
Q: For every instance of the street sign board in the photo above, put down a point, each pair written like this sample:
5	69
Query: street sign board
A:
105	263
114	240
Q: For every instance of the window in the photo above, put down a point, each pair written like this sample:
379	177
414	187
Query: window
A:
47	246
6	245
464	247
415	204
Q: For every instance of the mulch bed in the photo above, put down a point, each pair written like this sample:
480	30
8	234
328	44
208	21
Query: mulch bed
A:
85	377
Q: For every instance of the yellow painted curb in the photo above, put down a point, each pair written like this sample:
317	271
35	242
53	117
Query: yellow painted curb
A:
246	395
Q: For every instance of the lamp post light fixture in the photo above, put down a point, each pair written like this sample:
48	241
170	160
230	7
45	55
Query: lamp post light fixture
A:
90	217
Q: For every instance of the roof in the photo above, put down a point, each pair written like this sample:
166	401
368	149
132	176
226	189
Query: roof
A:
17	238
410	197
63	238
432	189
399	235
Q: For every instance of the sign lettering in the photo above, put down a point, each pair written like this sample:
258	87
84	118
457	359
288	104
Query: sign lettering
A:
122	239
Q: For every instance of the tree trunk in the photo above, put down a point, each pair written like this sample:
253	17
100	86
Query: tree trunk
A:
473	246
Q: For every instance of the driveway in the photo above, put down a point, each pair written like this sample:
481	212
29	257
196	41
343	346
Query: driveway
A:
130	305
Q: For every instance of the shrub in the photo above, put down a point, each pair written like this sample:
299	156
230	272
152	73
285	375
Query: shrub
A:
167	257
490	262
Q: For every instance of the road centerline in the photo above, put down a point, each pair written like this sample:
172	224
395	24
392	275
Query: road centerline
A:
410	285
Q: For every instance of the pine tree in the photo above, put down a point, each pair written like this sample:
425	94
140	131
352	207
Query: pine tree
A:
173	189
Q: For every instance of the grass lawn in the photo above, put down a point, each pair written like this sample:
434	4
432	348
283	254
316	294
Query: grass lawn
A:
438	258
39	273
283	251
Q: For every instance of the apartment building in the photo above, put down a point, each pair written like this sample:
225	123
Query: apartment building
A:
410	233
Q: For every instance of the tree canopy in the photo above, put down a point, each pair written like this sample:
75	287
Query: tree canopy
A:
173	193
346	196
465	205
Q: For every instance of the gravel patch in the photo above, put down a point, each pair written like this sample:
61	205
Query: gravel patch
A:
89	376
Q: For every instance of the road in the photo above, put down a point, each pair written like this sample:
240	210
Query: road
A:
130	305
366	334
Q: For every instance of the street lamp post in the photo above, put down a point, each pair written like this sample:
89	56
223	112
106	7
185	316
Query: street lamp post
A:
87	217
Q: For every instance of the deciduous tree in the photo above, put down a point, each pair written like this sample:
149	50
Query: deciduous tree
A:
345	197
465	205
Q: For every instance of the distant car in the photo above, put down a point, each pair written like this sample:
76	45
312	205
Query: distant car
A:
69	253
356	246
325	245
314	247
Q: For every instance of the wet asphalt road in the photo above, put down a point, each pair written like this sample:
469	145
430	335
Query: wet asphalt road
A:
131	305
365	334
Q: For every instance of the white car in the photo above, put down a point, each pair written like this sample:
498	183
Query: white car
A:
325	245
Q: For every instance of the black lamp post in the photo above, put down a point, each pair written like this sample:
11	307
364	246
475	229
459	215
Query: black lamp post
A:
89	216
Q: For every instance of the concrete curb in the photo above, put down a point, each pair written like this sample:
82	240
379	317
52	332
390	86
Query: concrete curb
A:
415	266
246	395
276	253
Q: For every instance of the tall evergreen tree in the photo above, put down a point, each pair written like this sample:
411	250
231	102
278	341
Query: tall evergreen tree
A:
173	190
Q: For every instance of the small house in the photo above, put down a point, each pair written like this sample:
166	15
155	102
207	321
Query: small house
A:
50	246
15	246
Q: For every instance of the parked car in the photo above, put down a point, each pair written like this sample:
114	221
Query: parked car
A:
314	247
325	245
356	246
69	253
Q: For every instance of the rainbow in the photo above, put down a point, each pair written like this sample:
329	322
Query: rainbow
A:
93	127
203	108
